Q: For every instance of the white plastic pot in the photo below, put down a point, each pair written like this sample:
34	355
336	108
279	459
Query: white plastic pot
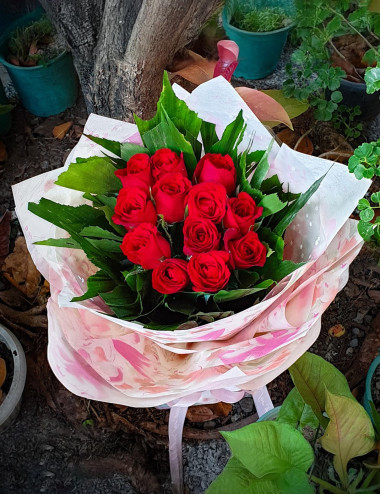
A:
10	407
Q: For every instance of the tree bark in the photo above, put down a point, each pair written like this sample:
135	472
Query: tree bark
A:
121	47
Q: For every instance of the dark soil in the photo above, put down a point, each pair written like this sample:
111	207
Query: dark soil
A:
61	443
6	354
375	388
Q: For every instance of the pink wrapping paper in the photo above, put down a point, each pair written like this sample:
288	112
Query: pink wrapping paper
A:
99	357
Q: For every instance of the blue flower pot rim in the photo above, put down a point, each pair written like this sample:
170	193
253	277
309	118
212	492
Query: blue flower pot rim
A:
361	85
36	67
254	34
368	382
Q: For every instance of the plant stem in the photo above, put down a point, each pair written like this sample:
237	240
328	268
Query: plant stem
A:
368	479
336	50
327	485
354	29
302	137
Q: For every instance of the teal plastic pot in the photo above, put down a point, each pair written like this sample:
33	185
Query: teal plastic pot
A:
270	415
259	53
44	90
368	384
6	119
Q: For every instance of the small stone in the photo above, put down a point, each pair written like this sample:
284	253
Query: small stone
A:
354	343
46	473
235	417
45	164
359	317
356	331
368	319
246	404
47	447
349	351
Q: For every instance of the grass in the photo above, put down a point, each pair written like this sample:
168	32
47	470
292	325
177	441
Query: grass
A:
260	20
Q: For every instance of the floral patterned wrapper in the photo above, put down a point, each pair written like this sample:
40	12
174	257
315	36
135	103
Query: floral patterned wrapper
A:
100	357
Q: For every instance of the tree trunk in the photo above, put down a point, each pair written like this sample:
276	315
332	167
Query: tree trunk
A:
121	47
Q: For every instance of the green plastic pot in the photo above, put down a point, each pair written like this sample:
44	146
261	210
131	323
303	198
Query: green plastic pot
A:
368	384
44	90
259	53
6	119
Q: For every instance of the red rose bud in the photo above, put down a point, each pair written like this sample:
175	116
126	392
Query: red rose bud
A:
170	276
216	168
133	206
145	246
166	161
138	167
241	212
245	250
200	235
169	194
208	271
207	200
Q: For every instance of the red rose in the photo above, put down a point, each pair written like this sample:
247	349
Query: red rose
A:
138	167
165	161
200	235
169	194
216	168
207	200
241	212
133	206
208	271
245	250
145	246
170	276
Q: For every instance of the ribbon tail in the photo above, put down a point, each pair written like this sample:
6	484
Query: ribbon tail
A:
263	402
176	422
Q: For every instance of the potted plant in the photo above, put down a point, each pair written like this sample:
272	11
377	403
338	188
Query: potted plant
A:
260	29
292	453
371	399
335	62
12	377
41	70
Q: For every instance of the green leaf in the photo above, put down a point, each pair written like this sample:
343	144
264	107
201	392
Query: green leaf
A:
129	149
278	448
228	295
69	243
365	230
247	278
363	204
312	375
245	186
231	137
372	79
369	57
112	146
97	283
123	302
375	415
97	232
5	109
336	96
290	213
209	137
274	241
292	106
276	269
238	480
375	197
262	168
367	214
295	412
349	433
271	204
95	175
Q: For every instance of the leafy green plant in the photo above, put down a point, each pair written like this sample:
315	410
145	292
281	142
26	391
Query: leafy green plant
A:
260	19
270	457
25	43
345	121
312	77
4	109
365	163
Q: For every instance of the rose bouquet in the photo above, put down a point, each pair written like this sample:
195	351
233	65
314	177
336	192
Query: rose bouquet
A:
179	239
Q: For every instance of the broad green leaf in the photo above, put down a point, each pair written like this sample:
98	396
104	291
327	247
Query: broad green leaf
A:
247	278
292	106
235	479
123	302
270	448
295	412
375	197
96	175
349	433
312	375
231	137
129	149
290	213
372	79
112	146
97	283
245	186
226	296
209	137
375	415
367	214
271	204
262	168
275	242
365	230
276	269
363	204
97	232
125	150
69	243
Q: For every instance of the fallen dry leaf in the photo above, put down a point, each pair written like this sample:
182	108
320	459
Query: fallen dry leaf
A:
291	138
200	413
20	270
375	295
3	152
60	131
221	409
194	68
337	331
